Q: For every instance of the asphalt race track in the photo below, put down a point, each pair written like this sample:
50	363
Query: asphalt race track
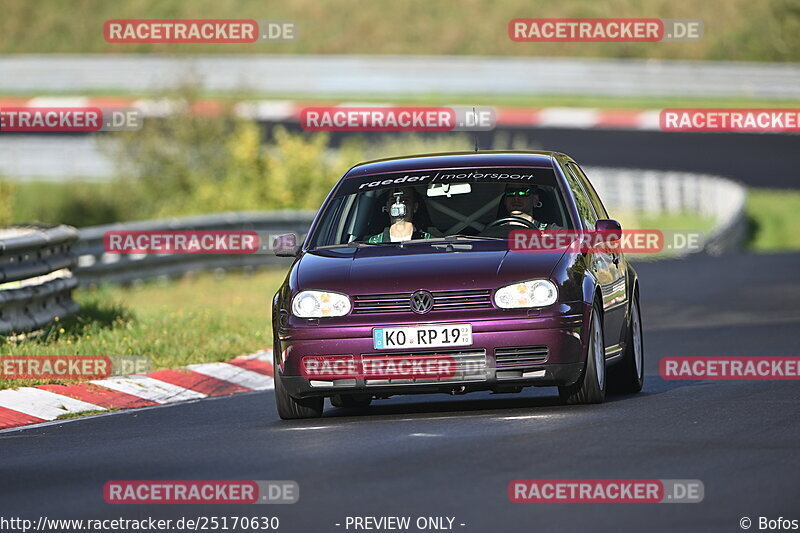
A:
757	160
455	456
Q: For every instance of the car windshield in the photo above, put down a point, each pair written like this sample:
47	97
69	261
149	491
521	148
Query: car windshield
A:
454	204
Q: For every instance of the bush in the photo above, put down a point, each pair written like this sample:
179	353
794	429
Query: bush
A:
188	164
75	203
7	194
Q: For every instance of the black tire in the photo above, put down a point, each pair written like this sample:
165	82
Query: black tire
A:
591	387
627	376
290	408
351	401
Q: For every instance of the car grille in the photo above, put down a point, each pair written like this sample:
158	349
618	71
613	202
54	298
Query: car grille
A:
519	357
470	365
442	301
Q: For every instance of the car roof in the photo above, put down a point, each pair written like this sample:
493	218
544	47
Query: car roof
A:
454	160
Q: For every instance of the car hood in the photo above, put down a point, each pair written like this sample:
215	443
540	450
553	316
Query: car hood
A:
430	266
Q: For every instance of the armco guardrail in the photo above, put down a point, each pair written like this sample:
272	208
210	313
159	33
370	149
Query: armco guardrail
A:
95	266
36	281
395	74
650	191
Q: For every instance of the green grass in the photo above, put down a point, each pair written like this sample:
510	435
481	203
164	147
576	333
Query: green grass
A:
774	219
774	216
664	222
68	416
667	222
191	320
39	202
734	29
74	202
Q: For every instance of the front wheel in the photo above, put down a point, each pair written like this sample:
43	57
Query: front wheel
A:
628	375
290	408
591	387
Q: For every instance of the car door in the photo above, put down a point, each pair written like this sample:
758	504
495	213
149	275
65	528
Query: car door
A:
615	294
603	264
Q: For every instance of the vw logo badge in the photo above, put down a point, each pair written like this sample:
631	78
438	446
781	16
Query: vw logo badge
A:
421	302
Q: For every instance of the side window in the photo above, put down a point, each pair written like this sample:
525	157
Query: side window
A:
593	196
583	203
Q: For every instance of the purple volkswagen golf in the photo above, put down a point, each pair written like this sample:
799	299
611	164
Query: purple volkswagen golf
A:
406	284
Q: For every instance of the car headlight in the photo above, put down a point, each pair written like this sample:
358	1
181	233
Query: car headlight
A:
318	304
534	293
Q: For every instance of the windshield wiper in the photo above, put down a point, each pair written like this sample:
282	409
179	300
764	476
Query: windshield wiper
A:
354	244
461	236
362	243
449	238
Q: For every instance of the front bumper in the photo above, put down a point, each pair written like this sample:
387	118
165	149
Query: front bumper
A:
506	354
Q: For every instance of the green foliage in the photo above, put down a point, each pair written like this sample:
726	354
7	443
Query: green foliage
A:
772	33
74	203
774	220
188	164
7	194
741	30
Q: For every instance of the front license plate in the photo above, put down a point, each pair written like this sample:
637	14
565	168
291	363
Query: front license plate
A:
422	336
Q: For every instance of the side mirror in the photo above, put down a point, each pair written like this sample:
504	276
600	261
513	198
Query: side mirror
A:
612	231
285	245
